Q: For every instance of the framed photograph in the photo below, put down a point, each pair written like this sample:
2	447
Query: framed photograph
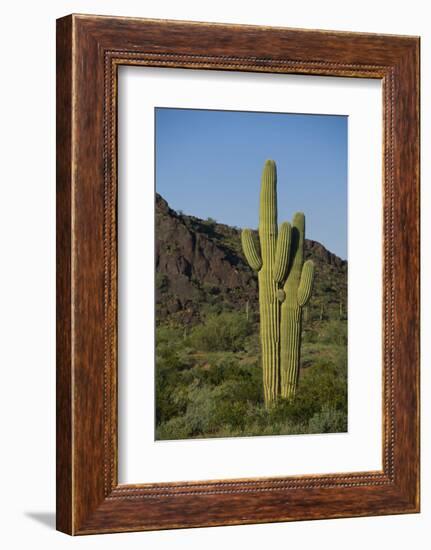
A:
237	274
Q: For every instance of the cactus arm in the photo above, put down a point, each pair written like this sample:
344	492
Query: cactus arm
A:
306	283
282	252
298	229
297	288
250	251
296	258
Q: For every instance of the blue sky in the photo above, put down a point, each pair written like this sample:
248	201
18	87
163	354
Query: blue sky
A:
209	164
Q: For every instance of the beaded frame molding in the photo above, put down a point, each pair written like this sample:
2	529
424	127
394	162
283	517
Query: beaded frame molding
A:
89	51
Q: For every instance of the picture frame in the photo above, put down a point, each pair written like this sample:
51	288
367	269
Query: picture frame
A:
89	51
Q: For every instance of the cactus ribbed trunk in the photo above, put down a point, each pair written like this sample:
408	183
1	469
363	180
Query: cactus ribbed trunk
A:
269	308
269	305
291	324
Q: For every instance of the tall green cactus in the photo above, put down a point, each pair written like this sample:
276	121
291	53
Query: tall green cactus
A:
271	264
297	288
280	261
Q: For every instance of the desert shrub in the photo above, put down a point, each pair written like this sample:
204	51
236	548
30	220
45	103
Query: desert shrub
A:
200	410
211	408
209	381
169	338
319	385
229	368
253	343
219	372
162	282
229	414
333	332
171	395
209	308
223	332
310	335
210	289
170	388
328	420
243	388
175	428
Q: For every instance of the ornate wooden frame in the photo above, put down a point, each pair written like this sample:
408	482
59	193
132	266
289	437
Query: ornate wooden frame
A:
89	51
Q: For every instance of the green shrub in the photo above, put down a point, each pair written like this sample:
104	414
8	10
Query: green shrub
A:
328	420
209	381
333	332
309	336
223	332
175	428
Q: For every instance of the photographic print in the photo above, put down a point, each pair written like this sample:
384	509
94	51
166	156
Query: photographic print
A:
251	273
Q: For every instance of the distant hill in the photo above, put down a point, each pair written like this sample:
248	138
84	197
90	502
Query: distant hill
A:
200	269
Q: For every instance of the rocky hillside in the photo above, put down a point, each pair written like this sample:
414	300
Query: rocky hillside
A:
200	269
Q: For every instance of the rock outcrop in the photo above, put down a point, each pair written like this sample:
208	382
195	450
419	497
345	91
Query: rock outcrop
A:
200	268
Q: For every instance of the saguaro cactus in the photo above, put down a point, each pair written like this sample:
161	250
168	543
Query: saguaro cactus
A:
297	289
271	265
280	263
